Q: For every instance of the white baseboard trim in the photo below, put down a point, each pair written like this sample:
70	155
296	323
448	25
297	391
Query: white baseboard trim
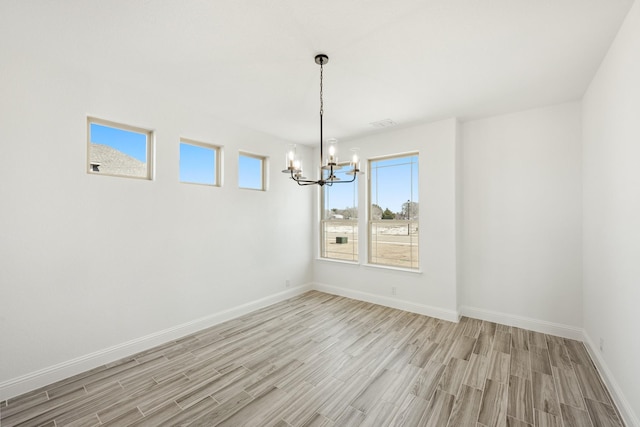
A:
537	325
626	411
427	310
31	381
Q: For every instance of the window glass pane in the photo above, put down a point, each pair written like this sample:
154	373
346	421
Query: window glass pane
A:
250	172
393	212
118	151
339	229
394	243
340	239
394	182
341	199
197	164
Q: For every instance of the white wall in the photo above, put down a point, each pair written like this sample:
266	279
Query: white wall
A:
459	218
522	217
502	200
433	291
91	262
611	252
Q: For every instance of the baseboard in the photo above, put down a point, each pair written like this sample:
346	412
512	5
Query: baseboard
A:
626	411
537	325
427	310
25	383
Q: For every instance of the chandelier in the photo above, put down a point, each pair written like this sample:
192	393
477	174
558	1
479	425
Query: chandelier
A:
331	165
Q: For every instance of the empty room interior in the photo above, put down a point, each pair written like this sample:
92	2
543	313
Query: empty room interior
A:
335	213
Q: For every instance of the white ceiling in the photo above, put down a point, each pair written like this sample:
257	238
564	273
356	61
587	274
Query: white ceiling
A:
251	61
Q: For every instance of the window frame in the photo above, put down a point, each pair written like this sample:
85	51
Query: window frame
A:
264	174
351	222
371	222
217	149
150	145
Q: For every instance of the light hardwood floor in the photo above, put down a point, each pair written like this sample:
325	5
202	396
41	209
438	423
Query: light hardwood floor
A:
323	360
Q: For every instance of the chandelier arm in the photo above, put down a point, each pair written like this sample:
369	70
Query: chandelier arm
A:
351	180
303	182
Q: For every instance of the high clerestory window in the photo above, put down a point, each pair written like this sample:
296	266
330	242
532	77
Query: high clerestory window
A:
252	171
199	163
116	149
394	211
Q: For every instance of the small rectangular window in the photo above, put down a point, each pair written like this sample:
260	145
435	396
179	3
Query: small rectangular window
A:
252	171
339	225
393	211
118	150
199	163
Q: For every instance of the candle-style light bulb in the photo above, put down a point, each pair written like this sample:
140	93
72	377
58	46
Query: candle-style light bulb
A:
290	157
332	150
355	160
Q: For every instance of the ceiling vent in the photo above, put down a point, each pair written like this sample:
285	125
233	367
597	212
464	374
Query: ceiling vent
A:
385	123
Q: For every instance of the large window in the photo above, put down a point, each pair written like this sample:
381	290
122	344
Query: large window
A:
339	234
393	211
118	150
252	171
199	163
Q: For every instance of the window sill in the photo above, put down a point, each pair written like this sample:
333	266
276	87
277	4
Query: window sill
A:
388	267
372	266
338	261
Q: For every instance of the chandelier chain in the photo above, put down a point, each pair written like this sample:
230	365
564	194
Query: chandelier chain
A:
321	101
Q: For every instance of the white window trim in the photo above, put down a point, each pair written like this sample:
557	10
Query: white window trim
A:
150	147
218	163
324	220
369	220
265	169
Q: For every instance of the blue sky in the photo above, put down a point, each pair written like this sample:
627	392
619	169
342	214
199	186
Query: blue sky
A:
394	181
392	184
197	164
342	195
132	143
249	172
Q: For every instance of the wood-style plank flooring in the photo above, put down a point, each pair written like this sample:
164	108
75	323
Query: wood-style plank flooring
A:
324	360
